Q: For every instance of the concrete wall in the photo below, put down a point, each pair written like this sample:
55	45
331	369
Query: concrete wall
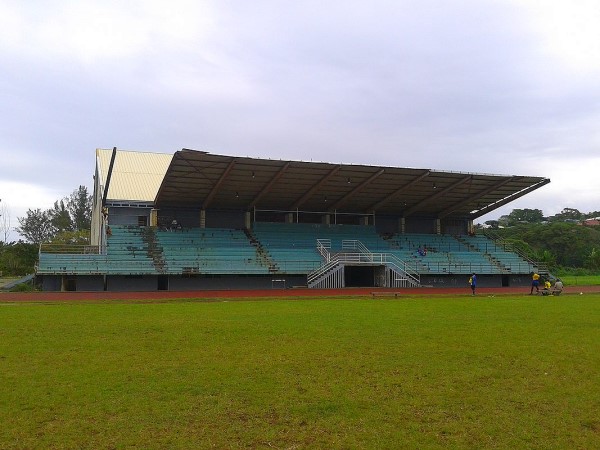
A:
461	280
424	225
50	282
90	283
132	283
54	283
128	216
181	283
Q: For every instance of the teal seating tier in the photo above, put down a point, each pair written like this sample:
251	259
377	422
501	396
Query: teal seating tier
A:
293	246
447	254
133	250
276	248
209	251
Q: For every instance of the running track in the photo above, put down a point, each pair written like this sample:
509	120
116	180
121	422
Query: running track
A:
18	297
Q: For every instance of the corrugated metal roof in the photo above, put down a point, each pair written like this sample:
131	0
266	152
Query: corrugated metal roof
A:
197	178
136	176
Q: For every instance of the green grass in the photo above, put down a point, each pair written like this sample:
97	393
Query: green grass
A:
440	372
581	280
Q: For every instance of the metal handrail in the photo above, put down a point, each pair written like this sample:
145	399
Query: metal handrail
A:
72	249
323	247
506	246
363	256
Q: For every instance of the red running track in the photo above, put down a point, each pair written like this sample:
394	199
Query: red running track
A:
13	297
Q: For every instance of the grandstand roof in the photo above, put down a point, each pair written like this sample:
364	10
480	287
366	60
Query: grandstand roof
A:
136	176
200	179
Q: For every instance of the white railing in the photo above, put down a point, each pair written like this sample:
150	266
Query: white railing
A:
333	280
353	244
404	273
321	271
324	247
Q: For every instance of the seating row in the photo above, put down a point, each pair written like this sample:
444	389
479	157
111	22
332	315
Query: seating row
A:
279	248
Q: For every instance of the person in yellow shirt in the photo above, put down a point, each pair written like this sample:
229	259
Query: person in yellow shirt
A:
535	282
547	287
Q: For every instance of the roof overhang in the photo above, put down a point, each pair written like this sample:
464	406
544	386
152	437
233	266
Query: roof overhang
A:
197	179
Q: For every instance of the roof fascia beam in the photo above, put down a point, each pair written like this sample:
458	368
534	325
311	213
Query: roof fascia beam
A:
509	199
475	197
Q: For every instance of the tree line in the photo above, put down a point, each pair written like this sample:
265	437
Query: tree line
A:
561	241
532	216
67	222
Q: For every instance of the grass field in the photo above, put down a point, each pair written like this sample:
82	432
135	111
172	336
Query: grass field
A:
438	372
581	280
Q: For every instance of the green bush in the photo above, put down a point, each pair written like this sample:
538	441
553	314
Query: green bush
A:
17	258
23	287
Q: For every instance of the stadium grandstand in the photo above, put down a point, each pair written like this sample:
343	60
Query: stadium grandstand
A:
197	221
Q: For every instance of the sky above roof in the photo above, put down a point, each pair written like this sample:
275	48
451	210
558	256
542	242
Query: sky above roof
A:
484	86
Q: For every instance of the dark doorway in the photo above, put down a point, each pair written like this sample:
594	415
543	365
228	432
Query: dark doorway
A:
505	281
70	284
359	276
163	282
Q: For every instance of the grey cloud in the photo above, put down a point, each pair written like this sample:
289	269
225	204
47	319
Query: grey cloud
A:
448	85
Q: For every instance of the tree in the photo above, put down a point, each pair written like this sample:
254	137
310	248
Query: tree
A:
504	221
79	205
60	217
37	226
546	257
565	243
72	237
568	214
592	214
17	258
525	215
592	260
71	214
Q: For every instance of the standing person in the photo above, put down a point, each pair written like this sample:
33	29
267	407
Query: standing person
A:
535	282
473	283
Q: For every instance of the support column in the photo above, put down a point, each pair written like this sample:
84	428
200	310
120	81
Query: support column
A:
153	217
402	225
438	226
326	219
248	220
289	218
202	218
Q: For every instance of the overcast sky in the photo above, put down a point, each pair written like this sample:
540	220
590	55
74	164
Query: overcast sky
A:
484	86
